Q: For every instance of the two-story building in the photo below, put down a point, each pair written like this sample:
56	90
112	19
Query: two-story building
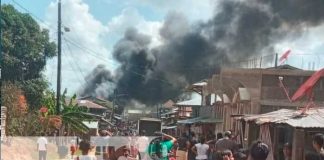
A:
256	91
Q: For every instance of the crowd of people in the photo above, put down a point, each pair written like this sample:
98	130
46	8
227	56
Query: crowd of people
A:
166	147
225	148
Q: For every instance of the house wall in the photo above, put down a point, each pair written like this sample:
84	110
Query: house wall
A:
271	90
262	84
250	79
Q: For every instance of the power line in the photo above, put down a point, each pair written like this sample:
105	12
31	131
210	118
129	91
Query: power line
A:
73	69
29	12
76	64
90	51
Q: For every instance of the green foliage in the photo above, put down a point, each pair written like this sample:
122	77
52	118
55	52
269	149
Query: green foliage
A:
25	46
26	125
72	115
48	101
25	49
10	97
34	91
18	123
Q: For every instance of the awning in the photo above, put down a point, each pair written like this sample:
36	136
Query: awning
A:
171	112
312	119
190	121
211	120
169	127
200	120
117	117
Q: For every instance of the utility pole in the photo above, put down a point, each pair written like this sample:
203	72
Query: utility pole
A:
157	111
59	32
113	105
0	53
276	60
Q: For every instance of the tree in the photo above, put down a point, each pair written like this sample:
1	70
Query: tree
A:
19	121
25	49
25	46
34	90
71	114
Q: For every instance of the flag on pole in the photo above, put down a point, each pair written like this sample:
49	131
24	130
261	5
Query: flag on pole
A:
284	57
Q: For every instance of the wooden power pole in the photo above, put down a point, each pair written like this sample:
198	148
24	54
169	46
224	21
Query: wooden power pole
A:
59	33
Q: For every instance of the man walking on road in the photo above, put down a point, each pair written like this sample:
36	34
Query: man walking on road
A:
42	147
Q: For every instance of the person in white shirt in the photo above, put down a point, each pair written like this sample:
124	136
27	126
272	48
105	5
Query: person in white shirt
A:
42	147
201	149
102	143
143	143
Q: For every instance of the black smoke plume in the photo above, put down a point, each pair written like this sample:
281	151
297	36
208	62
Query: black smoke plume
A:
191	52
99	83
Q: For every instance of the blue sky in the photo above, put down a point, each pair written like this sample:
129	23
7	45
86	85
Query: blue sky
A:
96	25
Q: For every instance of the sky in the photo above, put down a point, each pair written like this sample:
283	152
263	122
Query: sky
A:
96	25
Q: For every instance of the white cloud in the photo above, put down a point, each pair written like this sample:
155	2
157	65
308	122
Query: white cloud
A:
130	17
84	48
194	9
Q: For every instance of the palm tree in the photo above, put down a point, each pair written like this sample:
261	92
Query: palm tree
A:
71	116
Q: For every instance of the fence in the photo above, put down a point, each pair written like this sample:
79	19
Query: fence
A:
301	61
3	122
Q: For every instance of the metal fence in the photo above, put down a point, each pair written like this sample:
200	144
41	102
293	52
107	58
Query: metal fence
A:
301	61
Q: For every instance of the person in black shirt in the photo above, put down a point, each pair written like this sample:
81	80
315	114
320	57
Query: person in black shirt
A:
318	143
193	141
183	145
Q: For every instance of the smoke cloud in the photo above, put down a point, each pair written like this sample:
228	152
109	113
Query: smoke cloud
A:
191	52
99	83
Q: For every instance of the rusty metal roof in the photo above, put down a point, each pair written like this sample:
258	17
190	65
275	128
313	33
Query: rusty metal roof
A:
200	83
168	104
194	101
90	104
314	118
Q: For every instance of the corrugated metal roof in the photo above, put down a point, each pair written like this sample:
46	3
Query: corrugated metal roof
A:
200	84
200	120
168	104
89	104
310	121
314	118
190	121
195	101
169	127
91	124
280	102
